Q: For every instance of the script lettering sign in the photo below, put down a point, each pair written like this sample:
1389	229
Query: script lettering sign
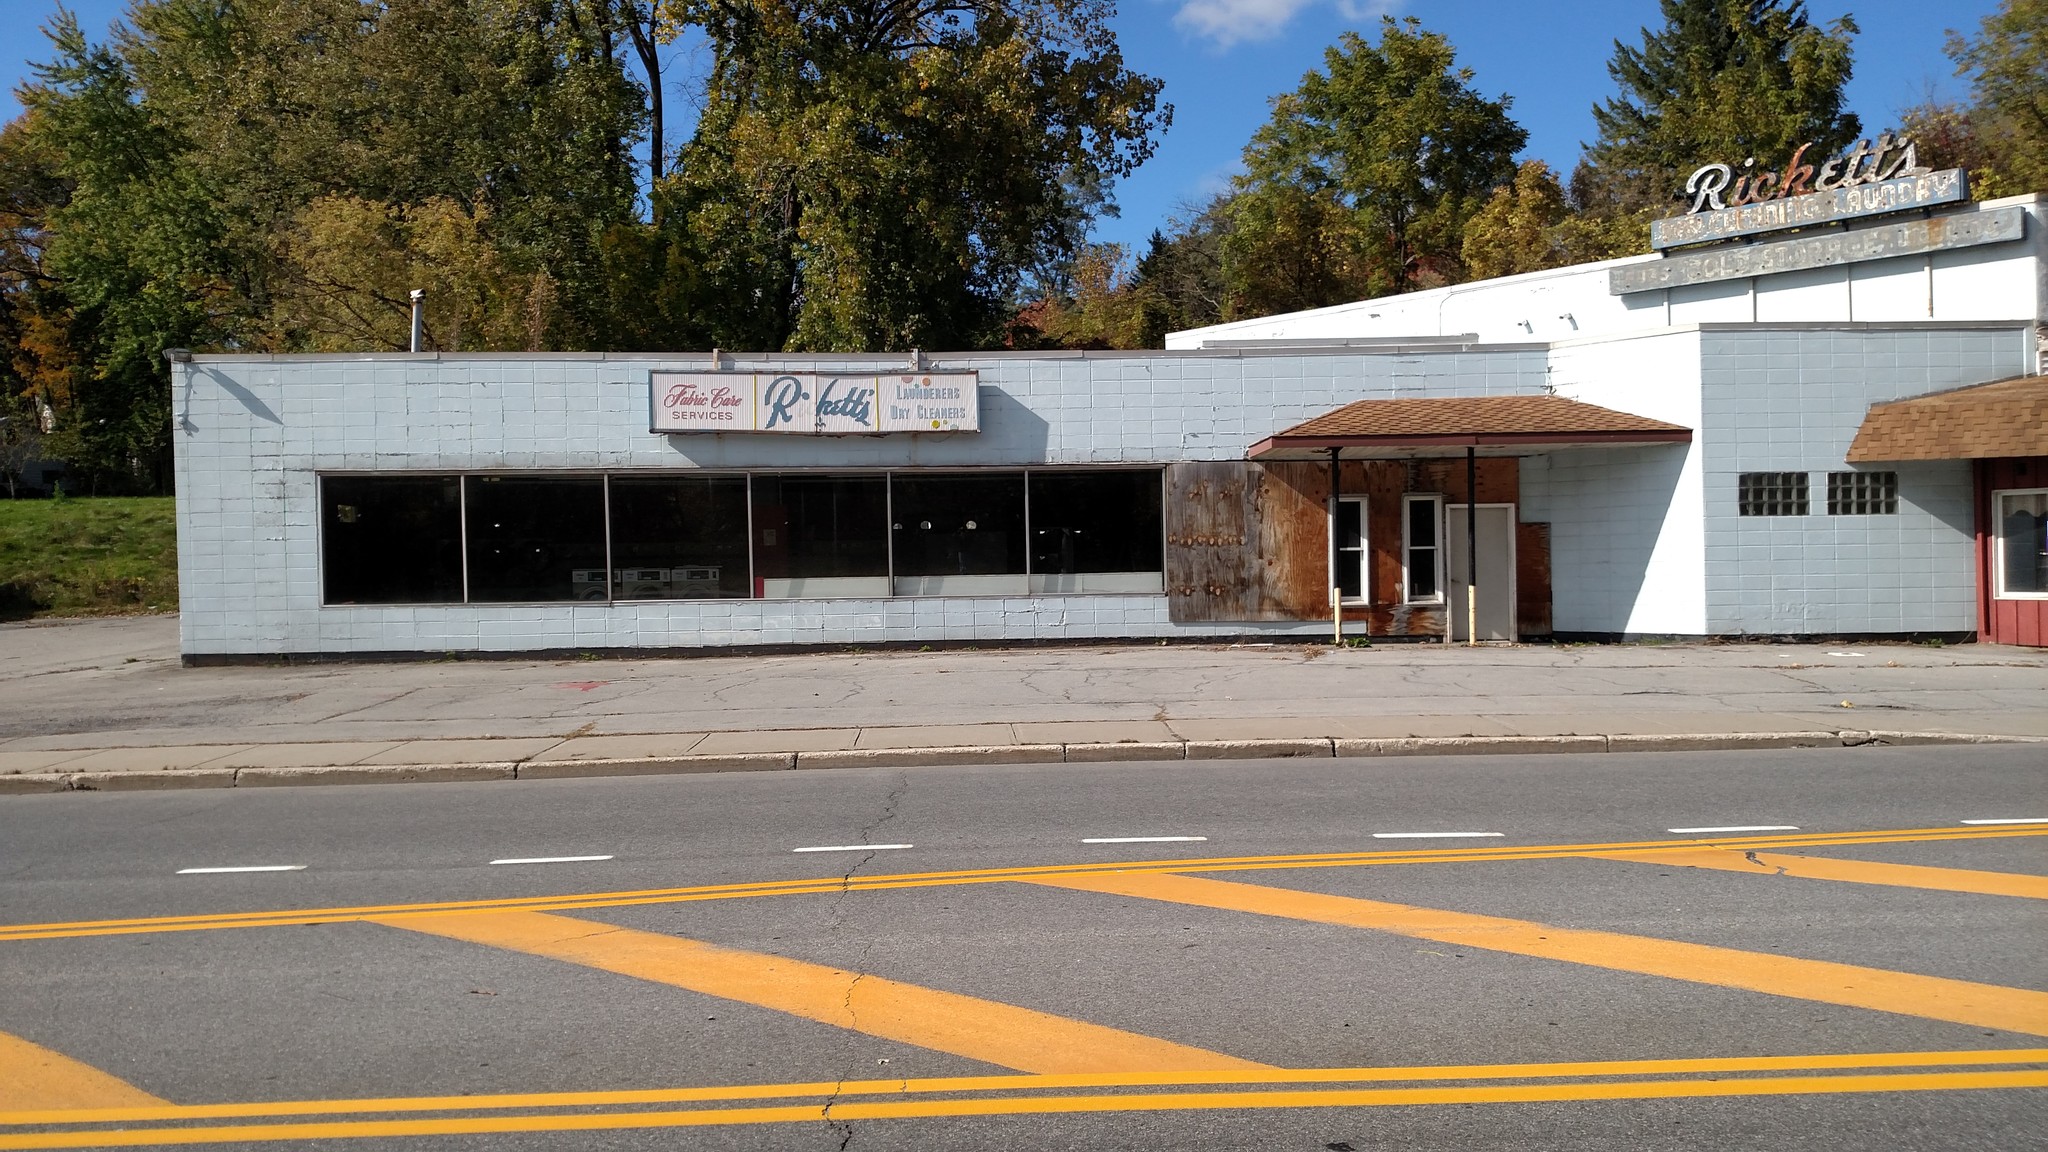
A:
1904	238
1724	200
814	403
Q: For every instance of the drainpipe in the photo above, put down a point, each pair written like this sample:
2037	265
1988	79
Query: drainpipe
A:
419	318
1471	547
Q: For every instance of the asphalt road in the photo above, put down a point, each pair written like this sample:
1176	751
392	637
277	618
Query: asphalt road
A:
708	985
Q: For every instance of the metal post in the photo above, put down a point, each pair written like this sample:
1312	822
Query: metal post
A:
1336	584
419	318
1471	547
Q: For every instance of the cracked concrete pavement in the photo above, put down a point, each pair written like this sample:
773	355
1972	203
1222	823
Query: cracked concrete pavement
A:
105	704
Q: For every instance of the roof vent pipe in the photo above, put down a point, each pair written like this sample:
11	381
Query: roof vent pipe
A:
419	318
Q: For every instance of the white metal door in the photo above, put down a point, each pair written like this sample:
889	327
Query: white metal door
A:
1496	525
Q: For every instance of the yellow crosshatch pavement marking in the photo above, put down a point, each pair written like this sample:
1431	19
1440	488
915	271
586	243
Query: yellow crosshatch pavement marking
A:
1932	997
832	884
32	1076
1851	871
1000	1034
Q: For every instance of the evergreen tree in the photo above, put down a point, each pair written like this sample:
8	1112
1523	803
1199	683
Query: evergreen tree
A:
1721	80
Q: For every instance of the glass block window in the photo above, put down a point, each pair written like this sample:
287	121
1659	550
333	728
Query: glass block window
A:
1863	493
1772	494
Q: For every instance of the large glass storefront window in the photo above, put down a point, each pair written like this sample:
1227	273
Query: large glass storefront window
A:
2022	550
534	538
391	539
821	535
692	536
682	538
958	534
1097	530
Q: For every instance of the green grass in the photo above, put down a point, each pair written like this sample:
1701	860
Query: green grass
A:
87	557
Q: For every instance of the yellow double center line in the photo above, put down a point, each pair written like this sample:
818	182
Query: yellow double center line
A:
565	903
1027	1095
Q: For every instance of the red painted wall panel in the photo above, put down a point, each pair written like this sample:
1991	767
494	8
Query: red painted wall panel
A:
2023	622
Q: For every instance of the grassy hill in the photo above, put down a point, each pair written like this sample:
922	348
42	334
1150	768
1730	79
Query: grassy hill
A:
87	557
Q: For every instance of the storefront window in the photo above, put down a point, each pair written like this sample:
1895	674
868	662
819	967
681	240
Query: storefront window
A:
958	534
534	538
679	538
391	539
1097	530
2022	544
821	535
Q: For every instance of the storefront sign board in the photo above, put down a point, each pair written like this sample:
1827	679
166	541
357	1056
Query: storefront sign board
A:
814	403
1906	238
1845	203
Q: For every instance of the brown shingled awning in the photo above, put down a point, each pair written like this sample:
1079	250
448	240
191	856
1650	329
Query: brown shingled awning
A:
1490	425
1984	421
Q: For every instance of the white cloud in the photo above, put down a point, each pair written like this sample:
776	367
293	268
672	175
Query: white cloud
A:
1230	22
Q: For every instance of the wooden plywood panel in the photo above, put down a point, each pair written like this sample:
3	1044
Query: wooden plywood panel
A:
1246	541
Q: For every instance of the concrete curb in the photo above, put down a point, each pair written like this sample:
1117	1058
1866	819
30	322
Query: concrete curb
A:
1081	753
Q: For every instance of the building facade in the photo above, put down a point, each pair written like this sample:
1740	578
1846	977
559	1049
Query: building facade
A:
1672	467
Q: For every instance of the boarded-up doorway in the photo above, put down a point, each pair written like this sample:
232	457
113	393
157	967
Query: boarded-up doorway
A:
1496	535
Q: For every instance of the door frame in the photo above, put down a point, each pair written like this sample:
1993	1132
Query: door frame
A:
1450	610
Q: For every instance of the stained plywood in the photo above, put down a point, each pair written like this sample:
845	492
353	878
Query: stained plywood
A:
1246	541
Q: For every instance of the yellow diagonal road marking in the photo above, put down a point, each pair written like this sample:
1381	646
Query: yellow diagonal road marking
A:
586	900
32	1076
1932	997
1851	871
1001	1034
840	1110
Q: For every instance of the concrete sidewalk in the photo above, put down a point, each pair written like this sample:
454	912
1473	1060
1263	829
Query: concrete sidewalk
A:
104	704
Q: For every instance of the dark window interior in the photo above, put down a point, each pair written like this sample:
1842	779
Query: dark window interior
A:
1421	549
820	526
1351	549
534	539
681	538
391	539
1096	521
970	524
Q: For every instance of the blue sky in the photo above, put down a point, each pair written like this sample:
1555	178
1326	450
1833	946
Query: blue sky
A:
1222	60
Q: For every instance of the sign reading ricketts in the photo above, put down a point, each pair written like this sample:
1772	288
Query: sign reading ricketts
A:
815	403
1869	180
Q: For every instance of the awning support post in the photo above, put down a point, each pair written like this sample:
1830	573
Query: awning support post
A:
1471	547
1336	585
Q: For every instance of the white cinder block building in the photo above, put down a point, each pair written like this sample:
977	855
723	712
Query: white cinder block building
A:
1566	453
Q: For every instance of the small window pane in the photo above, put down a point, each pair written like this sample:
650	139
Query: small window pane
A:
959	534
391	539
1420	560
534	538
1422	523
1771	494
1097	530
1863	493
2022	543
821	535
678	538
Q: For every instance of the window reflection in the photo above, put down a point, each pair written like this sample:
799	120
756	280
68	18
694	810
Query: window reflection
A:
533	538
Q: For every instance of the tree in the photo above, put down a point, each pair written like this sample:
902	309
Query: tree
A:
1517	230
1377	162
2007	63
1721	80
877	174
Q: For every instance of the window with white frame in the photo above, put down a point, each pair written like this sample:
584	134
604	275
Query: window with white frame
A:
1422	553
2020	544
1348	553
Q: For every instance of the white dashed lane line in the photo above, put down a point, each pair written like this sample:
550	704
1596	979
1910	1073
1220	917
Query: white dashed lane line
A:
244	868
550	859
1144	839
2014	820
854	848
1432	835
1738	828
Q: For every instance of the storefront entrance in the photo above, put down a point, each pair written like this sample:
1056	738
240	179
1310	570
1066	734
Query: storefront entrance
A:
1496	570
